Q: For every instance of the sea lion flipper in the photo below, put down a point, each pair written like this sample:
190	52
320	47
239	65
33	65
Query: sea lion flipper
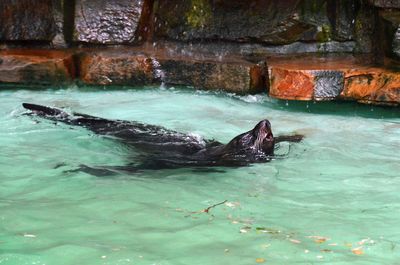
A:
43	110
49	113
289	138
90	122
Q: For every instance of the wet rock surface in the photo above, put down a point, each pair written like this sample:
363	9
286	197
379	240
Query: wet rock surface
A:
342	14
283	22
302	77
133	67
229	20
328	84
291	84
366	29
385	3
27	20
36	67
372	85
396	43
116	68
107	22
238	77
391	21
345	78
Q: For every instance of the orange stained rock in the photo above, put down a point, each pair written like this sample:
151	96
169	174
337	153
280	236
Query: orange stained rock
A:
37	53
36	66
291	84
372	85
297	78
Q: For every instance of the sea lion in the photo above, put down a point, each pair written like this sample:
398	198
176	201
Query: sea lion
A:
162	148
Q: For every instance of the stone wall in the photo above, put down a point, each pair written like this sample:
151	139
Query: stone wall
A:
349	24
213	44
278	26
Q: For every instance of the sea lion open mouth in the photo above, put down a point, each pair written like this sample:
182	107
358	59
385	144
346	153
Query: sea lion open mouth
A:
263	138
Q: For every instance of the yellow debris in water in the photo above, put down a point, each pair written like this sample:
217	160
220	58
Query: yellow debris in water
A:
260	260
357	251
320	240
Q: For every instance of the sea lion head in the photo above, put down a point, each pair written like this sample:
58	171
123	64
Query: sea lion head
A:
256	142
264	139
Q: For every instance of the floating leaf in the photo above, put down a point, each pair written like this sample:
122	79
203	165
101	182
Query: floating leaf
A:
320	240
260	260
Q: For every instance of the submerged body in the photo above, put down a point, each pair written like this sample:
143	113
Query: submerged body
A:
163	148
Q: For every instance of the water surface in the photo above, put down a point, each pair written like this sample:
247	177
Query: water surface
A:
333	199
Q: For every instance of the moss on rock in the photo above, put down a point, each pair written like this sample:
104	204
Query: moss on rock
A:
199	14
324	33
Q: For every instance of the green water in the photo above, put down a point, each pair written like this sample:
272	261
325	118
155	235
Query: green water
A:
334	199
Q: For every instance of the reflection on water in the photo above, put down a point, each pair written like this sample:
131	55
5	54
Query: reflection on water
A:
334	199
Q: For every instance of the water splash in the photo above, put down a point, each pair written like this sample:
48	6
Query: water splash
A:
251	98
158	73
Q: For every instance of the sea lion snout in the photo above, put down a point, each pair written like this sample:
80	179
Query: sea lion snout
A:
263	130
264	138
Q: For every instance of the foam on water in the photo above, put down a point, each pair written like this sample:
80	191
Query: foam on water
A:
333	199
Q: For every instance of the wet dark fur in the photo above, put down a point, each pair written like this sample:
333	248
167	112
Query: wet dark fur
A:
162	148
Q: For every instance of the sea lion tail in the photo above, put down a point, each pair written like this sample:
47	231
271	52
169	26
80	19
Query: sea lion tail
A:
48	112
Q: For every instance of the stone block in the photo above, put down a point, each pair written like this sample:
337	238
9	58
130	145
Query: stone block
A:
366	29
274	22
396	43
346	78
328	84
107	22
291	84
372	85
237	77
131	67
36	67
28	20
385	3
117	67
391	39
341	14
